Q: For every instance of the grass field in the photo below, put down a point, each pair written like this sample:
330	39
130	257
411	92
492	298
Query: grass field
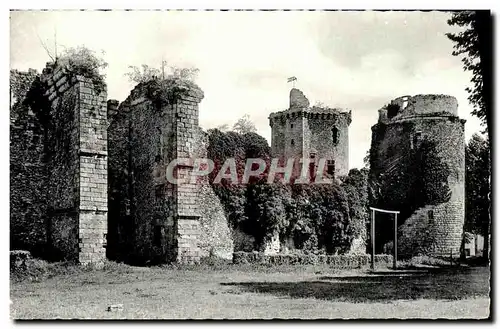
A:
246	292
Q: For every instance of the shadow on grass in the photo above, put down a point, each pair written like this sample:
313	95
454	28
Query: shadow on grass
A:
448	284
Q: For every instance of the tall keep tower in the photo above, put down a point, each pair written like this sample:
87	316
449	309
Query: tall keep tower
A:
314	132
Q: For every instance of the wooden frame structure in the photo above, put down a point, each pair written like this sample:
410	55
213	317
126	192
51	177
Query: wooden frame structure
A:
395	247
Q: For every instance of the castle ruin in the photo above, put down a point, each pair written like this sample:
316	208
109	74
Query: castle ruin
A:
59	172
88	175
433	229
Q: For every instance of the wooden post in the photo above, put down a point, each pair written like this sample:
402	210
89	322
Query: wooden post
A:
395	243
395	258
373	239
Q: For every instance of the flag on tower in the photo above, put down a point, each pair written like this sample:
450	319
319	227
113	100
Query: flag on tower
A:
292	79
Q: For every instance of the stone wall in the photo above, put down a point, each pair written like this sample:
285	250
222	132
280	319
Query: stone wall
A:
77	150
323	124
70	120
28	172
433	229
163	222
216	238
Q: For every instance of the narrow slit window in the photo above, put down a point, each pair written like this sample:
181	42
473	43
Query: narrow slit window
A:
157	235
330	167
292	142
417	138
335	135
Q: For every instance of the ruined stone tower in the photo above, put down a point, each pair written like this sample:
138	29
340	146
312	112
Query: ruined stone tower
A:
432	229
314	132
61	185
66	170
151	218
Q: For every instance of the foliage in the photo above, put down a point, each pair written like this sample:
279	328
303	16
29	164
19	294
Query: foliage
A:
20	83
477	185
244	125
366	160
265	209
355	185
163	87
83	61
317	216
326	214
420	178
147	73
136	75
474	44
223	127
303	258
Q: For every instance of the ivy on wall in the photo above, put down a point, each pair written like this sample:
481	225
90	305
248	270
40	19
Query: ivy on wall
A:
319	217
409	180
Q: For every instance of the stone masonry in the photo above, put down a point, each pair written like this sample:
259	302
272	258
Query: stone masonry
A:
314	132
70	120
433	229
28	170
151	219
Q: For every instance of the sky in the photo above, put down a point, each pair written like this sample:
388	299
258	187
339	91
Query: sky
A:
358	61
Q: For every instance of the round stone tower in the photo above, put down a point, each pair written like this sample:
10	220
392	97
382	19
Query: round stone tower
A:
433	229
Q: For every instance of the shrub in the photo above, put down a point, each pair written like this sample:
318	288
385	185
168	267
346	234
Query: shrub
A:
300	258
83	61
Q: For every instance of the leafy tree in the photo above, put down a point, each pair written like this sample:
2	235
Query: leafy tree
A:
224	145
244	125
326	215
224	127
265	210
474	43
478	188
